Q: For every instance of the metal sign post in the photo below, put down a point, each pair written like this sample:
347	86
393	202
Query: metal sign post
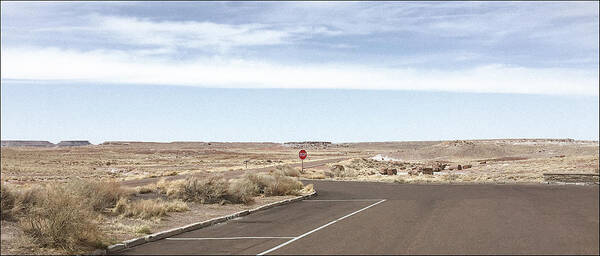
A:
302	154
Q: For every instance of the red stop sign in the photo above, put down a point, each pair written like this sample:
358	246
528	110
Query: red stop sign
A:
302	154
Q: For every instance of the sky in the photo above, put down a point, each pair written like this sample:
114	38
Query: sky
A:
288	71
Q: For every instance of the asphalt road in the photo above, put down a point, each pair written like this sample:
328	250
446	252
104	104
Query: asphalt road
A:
380	218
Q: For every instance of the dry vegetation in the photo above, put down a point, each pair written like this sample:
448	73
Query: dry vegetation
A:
68	217
137	160
495	161
63	216
49	205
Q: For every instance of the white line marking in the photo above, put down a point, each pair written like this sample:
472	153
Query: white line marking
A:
341	200
319	228
229	238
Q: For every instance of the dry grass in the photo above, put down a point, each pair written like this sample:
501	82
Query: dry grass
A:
341	171
99	195
287	170
275	184
216	189
243	190
451	177
279	185
7	198
308	189
170	188
145	189
63	216
138	160
59	220
148	208
209	191
144	230
318	175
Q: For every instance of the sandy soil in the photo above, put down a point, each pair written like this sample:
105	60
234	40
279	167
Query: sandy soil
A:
491	161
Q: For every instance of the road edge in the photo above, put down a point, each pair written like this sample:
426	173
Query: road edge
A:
198	225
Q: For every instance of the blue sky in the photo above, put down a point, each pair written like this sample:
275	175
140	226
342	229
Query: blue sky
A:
280	71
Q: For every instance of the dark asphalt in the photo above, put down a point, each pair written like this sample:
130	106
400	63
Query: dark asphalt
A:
414	219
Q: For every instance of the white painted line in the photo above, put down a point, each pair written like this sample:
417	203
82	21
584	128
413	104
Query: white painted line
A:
319	228
342	200
229	238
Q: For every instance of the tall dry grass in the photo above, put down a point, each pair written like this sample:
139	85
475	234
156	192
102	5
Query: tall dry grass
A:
148	208
288	170
58	220
275	184
64	215
99	195
211	190
206	191
7	202
242	190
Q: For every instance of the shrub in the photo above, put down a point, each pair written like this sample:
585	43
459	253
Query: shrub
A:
260	181
315	175
242	191
61	221
275	185
208	191
170	188
26	199
283	185
99	195
341	171
308	189
144	230
144	190
7	198
328	174
451	177
288	170
148	208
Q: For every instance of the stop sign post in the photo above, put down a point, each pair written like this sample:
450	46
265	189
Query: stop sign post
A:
302	154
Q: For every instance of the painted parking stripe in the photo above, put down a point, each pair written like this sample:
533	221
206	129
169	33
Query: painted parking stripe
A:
319	228
341	200
229	238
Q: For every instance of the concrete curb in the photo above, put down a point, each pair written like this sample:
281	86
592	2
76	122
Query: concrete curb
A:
176	231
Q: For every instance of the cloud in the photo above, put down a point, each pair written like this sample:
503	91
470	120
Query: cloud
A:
102	66
189	34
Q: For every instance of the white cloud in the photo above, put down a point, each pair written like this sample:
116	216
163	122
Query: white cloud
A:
135	68
189	34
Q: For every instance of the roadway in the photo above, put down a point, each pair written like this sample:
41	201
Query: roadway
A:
382	218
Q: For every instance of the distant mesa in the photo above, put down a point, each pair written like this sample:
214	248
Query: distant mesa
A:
26	143
73	143
43	143
308	144
119	143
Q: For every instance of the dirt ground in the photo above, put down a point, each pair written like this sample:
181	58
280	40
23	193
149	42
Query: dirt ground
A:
137	160
483	161
506	160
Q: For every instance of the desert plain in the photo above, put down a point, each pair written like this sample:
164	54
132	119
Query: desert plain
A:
148	187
